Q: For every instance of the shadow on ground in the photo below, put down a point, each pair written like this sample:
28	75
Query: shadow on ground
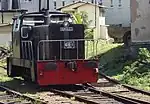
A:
27	87
112	62
21	86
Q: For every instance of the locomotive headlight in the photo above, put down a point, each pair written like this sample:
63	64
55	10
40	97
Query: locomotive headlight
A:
96	70
66	24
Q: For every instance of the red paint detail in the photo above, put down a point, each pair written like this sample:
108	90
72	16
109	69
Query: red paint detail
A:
64	75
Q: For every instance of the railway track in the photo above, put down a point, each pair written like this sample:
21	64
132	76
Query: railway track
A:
8	96
90	95
125	91
106	92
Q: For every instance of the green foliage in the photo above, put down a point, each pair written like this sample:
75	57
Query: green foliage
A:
138	73
133	72
144	55
82	18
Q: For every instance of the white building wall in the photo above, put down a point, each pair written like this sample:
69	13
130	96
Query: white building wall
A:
116	14
31	6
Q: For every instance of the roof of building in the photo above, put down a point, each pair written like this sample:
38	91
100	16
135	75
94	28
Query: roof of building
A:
81	3
14	10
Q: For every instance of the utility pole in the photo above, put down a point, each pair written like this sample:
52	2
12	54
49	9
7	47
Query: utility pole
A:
95	12
47	4
39	5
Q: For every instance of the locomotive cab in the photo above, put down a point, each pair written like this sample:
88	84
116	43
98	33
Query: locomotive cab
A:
48	48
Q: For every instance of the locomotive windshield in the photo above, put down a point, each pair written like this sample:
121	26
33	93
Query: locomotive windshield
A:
33	21
60	18
54	18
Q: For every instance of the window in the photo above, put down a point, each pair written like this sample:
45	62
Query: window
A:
100	2
15	4
63	3
111	3
119	3
54	4
27	0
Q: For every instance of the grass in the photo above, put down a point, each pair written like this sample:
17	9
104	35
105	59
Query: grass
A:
100	47
129	71
3	76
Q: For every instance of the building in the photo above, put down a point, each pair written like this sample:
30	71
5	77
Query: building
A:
33	6
117	12
97	18
7	12
118	17
140	21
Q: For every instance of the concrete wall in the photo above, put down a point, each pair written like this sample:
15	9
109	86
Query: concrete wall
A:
7	17
140	27
6	28
116	14
5	34
34	4
31	6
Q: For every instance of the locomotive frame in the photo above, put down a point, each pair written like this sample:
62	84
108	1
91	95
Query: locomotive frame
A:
51	53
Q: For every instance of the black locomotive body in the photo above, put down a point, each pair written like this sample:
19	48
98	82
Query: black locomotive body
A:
49	49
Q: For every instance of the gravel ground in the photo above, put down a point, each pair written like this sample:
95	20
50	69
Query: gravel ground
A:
118	89
52	98
9	99
33	91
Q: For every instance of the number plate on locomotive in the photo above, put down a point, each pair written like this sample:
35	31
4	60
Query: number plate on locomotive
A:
66	28
69	44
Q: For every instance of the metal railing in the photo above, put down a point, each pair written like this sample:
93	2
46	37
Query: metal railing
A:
44	48
27	50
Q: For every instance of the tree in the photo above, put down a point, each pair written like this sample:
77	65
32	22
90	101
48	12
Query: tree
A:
82	18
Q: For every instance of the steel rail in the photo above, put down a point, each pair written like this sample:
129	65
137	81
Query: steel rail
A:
135	100
82	99
118	98
124	85
10	91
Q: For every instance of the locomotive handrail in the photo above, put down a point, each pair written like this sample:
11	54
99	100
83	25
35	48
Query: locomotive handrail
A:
60	41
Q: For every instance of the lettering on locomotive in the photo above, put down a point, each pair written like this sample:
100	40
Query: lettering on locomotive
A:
66	28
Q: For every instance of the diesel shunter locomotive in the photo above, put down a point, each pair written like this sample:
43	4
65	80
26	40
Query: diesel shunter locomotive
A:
49	49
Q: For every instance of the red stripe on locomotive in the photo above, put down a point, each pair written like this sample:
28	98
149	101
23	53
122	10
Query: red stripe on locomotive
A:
64	75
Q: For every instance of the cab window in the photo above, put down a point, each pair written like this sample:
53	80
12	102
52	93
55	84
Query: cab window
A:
59	18
32	21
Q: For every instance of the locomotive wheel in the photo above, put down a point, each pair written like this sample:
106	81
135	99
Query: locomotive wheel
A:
26	74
